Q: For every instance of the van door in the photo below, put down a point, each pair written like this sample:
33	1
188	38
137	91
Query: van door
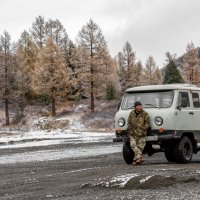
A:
196	106
185	113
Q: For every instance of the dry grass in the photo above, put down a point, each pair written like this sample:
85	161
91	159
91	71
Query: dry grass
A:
102	118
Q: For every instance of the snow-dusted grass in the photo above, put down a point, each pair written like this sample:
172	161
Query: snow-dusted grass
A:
31	137
65	128
102	118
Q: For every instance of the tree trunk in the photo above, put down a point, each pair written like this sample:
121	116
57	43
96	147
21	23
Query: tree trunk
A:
7	113
53	108
92	90
92	78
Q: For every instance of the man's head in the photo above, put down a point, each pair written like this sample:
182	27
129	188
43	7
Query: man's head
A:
138	106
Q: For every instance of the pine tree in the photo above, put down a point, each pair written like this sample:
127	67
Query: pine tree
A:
149	70
7	72
110	82
130	71
122	71
111	92
157	77
191	69
55	30
172	74
73	58
94	45
137	73
51	74
27	56
38	31
129	64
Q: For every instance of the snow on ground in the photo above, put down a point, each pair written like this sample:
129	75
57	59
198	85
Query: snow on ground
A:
43	138
74	133
59	154
32	144
122	180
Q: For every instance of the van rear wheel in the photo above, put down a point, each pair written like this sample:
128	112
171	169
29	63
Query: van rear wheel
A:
128	154
184	150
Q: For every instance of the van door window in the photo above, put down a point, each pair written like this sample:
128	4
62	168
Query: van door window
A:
183	99
195	100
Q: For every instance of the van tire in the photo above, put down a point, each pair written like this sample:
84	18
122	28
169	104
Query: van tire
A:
169	155
183	150
128	154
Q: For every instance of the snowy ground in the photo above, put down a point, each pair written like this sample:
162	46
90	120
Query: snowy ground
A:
74	163
74	132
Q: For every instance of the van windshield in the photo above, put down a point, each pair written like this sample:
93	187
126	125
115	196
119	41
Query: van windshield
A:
149	99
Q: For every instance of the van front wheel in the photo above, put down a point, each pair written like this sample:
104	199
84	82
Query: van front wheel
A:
128	154
169	156
184	150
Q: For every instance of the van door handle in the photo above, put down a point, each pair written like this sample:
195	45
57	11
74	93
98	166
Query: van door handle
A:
191	113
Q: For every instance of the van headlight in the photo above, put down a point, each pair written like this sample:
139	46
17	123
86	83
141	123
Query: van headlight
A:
121	122
158	121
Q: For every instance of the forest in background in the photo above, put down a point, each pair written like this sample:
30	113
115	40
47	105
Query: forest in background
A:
44	67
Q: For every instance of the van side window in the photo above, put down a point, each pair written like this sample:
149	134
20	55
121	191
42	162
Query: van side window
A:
183	99
195	99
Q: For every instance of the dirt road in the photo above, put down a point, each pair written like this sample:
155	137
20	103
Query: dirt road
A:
93	170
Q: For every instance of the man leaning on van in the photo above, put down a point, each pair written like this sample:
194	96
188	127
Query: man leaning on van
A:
138	124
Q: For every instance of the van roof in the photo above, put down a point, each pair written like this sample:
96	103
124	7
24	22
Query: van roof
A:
164	87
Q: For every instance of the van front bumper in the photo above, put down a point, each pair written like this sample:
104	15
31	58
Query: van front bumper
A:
155	135
152	136
120	136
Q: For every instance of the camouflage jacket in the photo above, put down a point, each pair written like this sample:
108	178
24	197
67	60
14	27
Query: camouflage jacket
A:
138	124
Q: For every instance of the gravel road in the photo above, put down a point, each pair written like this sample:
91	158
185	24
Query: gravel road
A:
93	170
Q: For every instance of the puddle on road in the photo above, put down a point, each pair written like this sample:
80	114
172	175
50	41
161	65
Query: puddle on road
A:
60	154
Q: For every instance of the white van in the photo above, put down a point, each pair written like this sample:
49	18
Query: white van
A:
174	111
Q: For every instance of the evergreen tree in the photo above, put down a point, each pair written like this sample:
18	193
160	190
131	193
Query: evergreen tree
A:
38	31
129	65
191	69
149	70
111	92
172	74
7	72
27	56
51	75
55	30
92	41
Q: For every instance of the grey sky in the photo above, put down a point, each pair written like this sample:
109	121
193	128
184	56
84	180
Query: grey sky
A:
153	27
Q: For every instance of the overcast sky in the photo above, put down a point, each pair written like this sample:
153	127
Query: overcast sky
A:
153	27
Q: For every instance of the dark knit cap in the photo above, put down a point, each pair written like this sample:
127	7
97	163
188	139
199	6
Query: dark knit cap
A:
137	103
